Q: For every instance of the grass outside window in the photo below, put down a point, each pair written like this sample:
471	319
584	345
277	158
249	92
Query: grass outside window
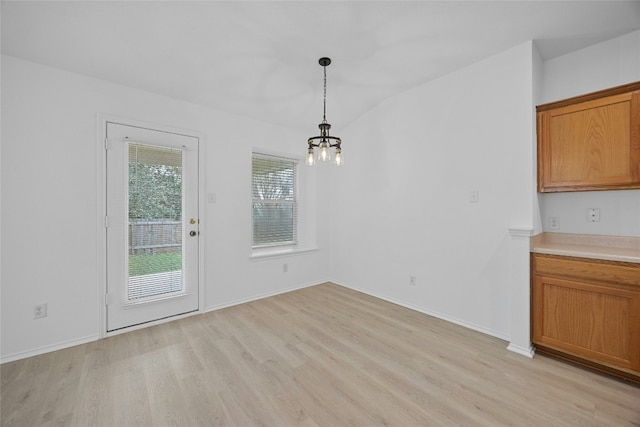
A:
152	263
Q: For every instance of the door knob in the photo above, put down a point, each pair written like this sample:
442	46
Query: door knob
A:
193	233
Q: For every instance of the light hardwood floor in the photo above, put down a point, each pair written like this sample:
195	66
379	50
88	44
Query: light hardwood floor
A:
320	356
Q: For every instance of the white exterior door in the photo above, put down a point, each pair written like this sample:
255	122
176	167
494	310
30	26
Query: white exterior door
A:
151	225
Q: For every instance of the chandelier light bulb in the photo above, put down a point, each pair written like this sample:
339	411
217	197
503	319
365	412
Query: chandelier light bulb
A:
338	160
311	158
324	152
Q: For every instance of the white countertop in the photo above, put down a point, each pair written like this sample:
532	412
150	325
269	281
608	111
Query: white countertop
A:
611	248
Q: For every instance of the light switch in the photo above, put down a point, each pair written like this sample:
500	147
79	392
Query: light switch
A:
211	197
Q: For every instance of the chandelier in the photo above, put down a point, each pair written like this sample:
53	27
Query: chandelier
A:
324	142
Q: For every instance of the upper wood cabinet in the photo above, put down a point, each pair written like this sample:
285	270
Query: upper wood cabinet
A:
590	142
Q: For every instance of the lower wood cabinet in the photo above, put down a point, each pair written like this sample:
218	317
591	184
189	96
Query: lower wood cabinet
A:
587	311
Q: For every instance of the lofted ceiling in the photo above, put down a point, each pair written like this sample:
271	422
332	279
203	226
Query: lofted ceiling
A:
260	59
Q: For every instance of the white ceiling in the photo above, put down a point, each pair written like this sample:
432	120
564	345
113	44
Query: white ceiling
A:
259	59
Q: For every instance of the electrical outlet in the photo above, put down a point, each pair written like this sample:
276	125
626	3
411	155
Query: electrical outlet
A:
412	280
554	223
285	268
40	310
593	215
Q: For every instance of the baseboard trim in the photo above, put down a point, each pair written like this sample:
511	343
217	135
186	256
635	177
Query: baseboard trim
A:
524	351
91	338
262	296
49	348
528	352
432	313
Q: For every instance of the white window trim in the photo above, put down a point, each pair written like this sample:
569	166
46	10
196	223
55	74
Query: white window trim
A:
306	224
269	253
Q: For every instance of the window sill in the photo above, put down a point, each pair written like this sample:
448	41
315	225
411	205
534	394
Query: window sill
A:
279	253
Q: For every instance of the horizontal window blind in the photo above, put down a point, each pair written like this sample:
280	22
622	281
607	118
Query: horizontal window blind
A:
274	200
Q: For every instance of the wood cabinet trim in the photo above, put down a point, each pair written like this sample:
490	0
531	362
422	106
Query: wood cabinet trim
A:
635	136
540	151
619	372
616	273
630	87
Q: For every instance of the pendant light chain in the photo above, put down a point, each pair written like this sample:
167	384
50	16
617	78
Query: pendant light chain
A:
324	142
324	111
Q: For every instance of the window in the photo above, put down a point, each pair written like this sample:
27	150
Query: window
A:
274	201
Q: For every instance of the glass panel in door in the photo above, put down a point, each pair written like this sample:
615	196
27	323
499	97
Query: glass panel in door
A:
155	222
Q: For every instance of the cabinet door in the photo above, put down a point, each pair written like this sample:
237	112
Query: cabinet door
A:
592	145
596	322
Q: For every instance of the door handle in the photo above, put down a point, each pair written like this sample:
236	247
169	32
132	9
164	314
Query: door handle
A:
193	233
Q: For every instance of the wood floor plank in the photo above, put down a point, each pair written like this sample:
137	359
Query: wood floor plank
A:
131	397
94	402
320	356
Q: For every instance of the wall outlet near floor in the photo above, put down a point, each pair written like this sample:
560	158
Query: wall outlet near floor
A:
285	267
412	280
593	215
40	310
554	223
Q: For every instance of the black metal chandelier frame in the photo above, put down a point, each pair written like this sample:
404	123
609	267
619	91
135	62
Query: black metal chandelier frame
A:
324	140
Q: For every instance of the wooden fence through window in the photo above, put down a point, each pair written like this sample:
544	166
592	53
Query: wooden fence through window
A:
154	236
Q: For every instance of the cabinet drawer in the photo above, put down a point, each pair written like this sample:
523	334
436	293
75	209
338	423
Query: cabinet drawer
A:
590	271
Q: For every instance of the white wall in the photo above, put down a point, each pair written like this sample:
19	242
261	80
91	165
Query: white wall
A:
601	66
402	207
50	217
537	96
